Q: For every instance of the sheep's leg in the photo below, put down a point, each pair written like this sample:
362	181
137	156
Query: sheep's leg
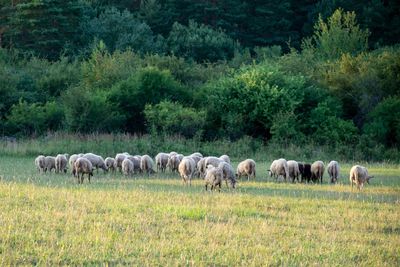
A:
206	187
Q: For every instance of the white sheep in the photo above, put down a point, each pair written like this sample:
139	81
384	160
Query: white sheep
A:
162	161
186	169
317	171
197	154
214	177
61	163
49	163
40	163
294	171
279	167
83	166
118	160
96	160
358	176
127	167
212	161
72	160
110	163
228	174
333	171
246	167
173	162
225	158
146	164
201	170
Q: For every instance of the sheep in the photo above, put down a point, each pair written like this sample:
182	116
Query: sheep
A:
49	163
40	163
228	174
358	176
212	161
305	171
294	171
317	171
83	166
186	169
136	163
72	160
173	162
172	153
333	171
127	167
61	163
214	177
146	164
96	160
246	167
197	154
225	158
201	171
279	167
118	160
161	161
110	163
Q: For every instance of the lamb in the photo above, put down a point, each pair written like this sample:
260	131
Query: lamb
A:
118	160
186	169
225	158
49	163
228	174
294	171
333	171
358	176
40	163
110	163
161	161
146	164
246	167
83	166
214	177
61	163
317	171
279	167
96	160
127	167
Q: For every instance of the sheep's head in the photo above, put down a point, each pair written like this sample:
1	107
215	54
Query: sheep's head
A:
270	173
368	178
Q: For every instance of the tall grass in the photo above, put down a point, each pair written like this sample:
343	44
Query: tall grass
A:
110	144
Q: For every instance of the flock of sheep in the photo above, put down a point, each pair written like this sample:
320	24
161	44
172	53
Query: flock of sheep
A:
214	170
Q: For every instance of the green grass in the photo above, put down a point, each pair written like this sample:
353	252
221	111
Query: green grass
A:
49	219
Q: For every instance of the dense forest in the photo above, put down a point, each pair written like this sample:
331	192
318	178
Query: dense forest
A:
286	72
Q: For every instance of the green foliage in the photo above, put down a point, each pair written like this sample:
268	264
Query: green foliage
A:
148	86
200	42
383	125
28	119
339	35
173	118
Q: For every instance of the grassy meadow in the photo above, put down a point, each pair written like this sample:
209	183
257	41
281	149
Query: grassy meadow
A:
48	219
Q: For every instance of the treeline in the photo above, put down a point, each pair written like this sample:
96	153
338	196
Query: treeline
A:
108	69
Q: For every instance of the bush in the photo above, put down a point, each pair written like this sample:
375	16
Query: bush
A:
173	118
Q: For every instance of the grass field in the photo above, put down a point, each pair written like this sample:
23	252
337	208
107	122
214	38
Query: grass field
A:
51	220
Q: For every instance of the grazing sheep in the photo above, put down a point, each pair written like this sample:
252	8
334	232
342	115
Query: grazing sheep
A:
162	161
317	171
49	163
186	169
228	174
110	163
214	177
118	160
146	164
358	176
40	163
212	161
294	171
127	167
72	160
197	154
246	167
83	166
333	171
96	160
201	171
225	158
305	171
279	167
173	153
61	163
173	162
